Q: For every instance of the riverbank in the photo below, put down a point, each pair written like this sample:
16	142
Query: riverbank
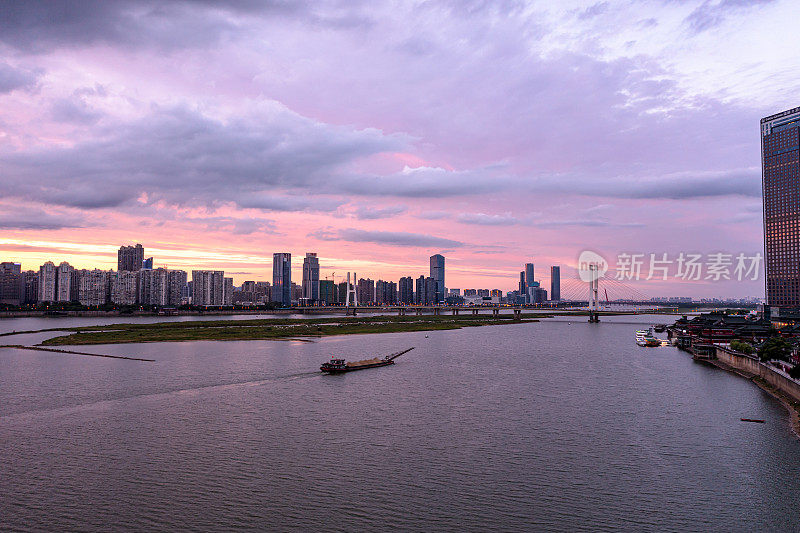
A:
791	405
265	329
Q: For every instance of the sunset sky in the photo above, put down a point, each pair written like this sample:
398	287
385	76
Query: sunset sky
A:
377	134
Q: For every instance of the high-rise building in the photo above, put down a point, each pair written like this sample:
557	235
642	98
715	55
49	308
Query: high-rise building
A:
365	291
47	282
282	278
91	287
327	292
780	180
380	292
208	287
64	288
154	287
385	292
311	277
263	291
227	291
431	291
148	263
523	287
555	283
437	273
124	287
529	274
537	295
12	284
31	283
406	290
176	280
341	293
297	293
496	292
130	257
419	294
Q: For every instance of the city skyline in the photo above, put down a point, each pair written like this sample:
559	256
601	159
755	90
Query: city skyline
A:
246	146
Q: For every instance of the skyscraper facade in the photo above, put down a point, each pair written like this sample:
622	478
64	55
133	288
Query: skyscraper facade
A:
385	292
311	277
64	286
125	287
12	284
419	293
437	273
406	290
365	291
555	283
529	279
780	181
92	287
154	287
31	282
177	286
431	291
130	258
208	287
227	291
282	278
47	282
327	292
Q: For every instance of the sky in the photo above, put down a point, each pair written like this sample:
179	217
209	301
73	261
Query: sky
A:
377	134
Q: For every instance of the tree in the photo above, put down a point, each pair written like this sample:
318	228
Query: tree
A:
742	347
775	348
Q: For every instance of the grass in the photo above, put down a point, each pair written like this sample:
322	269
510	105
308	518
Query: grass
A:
238	330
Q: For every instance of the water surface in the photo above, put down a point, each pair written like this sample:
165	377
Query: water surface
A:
558	425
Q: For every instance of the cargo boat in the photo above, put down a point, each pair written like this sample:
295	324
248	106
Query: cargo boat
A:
337	366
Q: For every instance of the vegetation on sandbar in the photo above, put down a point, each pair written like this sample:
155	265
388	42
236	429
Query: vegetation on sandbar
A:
262	329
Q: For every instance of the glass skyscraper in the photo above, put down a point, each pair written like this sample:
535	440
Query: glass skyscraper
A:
555	283
780	139
437	273
282	278
311	277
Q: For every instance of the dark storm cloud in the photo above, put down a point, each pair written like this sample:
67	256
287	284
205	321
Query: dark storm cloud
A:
14	78
290	203
74	110
236	226
185	157
41	25
395	238
36	219
374	213
676	186
425	182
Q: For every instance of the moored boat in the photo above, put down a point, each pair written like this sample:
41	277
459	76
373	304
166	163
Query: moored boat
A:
647	338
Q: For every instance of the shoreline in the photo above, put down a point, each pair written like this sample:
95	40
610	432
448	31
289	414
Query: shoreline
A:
792	406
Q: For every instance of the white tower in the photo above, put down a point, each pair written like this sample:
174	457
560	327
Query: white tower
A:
351	290
594	299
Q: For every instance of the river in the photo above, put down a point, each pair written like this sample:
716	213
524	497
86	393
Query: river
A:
558	425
